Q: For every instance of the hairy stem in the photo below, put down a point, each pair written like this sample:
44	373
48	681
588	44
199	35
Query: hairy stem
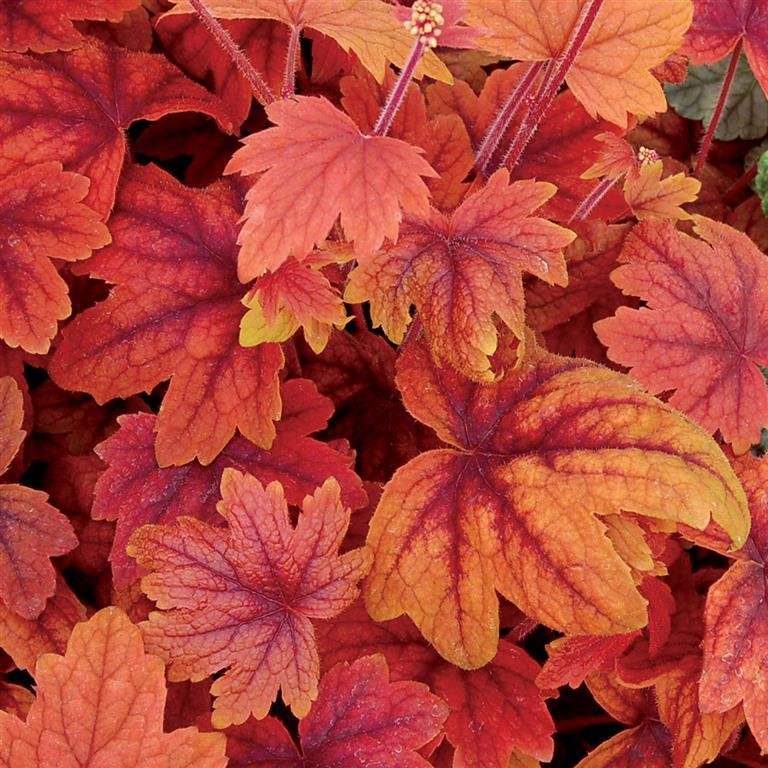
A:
718	113
549	89
255	79
291	56
520	95
397	94
740	184
586	206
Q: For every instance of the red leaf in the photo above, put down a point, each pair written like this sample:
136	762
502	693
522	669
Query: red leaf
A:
704	331
41	215
174	313
513	505
46	25
242	597
135	490
73	108
380	723
718	26
316	165
461	271
102	704
649	745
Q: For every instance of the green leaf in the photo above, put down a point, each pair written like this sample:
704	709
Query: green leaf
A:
761	181
746	112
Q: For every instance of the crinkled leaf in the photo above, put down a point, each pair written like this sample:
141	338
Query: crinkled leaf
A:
462	270
704	329
649	745
101	703
745	115
651	197
610	75
174	313
380	723
41	216
11	417
73	108
46	25
241	598
368	28
539	456
316	166
136	491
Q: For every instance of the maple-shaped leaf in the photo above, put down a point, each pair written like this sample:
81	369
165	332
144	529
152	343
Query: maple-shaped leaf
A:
736	635
495	712
41	215
648	744
462	270
611	73
702	332
316	164
46	25
297	294
32	530
651	197
73	108
368	28
242	597
745	114
538	456
136	491
100	704
380	723
717	27
174	313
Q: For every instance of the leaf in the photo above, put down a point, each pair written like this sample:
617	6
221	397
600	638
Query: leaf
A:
368	28
102	704
649	745
47	26
174	313
717	27
651	197
761	181
242	597
515	504
495	712
74	107
41	215
32	530
745	115
461	270
295	295
381	723
317	165
736	619
136	491
702	332
610	75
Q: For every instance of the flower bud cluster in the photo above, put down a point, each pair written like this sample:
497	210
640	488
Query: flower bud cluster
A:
426	22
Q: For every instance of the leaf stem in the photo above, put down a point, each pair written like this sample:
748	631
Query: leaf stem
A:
289	76
549	89
495	132
718	113
397	94
255	79
740	184
599	191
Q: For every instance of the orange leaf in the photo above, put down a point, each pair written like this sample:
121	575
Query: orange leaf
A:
242	597
317	165
649	745
174	313
41	215
461	270
11	416
611	74
46	25
369	28
651	197
360	719
102	704
704	330
73	108
538	457
736	634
